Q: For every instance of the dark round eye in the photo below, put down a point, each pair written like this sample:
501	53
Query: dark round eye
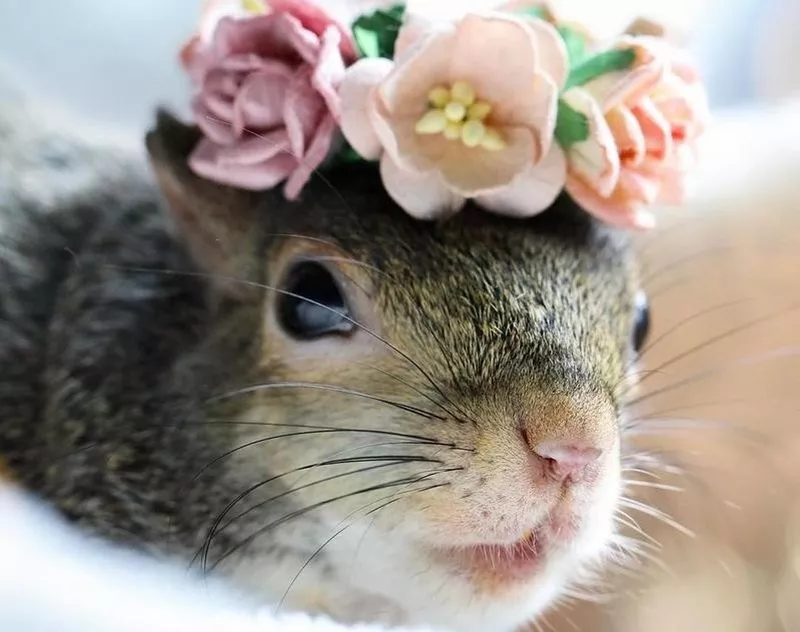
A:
313	305
641	321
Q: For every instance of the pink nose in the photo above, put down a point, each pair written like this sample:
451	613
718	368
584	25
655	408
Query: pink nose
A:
562	461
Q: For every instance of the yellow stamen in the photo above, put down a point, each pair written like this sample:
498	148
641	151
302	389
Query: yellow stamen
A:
455	111
439	97
452	131
254	6
493	141
463	92
479	111
432	122
472	133
457	114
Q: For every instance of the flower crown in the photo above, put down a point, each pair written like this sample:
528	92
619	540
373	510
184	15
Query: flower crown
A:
507	108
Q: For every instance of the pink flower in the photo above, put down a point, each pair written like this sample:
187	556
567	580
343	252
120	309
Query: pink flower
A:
644	123
466	109
267	98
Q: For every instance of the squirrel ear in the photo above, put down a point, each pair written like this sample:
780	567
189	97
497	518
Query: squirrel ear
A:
216	222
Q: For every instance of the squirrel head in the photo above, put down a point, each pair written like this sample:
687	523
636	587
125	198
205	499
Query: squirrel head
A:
451	391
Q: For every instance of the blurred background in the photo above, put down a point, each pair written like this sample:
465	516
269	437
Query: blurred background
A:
718	405
113	60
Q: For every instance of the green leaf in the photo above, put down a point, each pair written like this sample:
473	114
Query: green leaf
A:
576	45
532	12
367	41
348	154
376	33
571	126
600	64
345	155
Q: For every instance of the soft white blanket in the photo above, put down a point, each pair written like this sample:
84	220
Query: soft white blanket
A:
54	580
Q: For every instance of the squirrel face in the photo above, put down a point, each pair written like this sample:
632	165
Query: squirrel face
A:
435	405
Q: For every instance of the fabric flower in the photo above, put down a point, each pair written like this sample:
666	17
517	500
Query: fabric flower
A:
643	127
467	109
267	99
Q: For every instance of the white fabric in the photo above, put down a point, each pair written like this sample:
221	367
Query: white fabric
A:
54	580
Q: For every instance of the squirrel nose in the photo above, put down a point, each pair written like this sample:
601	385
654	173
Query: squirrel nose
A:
568	435
561	460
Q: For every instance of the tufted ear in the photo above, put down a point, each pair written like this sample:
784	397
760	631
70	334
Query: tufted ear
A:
217	223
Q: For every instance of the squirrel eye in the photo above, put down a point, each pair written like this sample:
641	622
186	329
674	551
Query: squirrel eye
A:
313	305
641	322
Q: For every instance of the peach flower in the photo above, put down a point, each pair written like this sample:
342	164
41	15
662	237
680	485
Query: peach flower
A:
466	110
644	123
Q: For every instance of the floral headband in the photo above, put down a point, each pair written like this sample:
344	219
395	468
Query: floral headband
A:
507	108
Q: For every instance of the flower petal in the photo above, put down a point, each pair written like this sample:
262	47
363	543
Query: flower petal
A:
552	58
635	185
474	171
329	72
303	110
627	134
414	28
533	191
541	110
629	86
254	149
684	105
260	101
317	152
404	91
485	44
617	209
279	36
355	95
313	18
218	130
671	173
595	160
204	161
656	129
241	63
421	195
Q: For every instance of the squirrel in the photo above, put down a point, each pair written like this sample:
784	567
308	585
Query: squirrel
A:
338	408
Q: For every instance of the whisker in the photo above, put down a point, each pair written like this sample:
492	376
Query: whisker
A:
782	352
659	486
761	402
628	521
727	334
338	194
657	514
331	388
382	460
295	514
388	433
355	323
392	498
660	292
350	450
412	387
690	319
263	440
659	272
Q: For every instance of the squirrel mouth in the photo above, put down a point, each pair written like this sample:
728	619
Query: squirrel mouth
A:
504	563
